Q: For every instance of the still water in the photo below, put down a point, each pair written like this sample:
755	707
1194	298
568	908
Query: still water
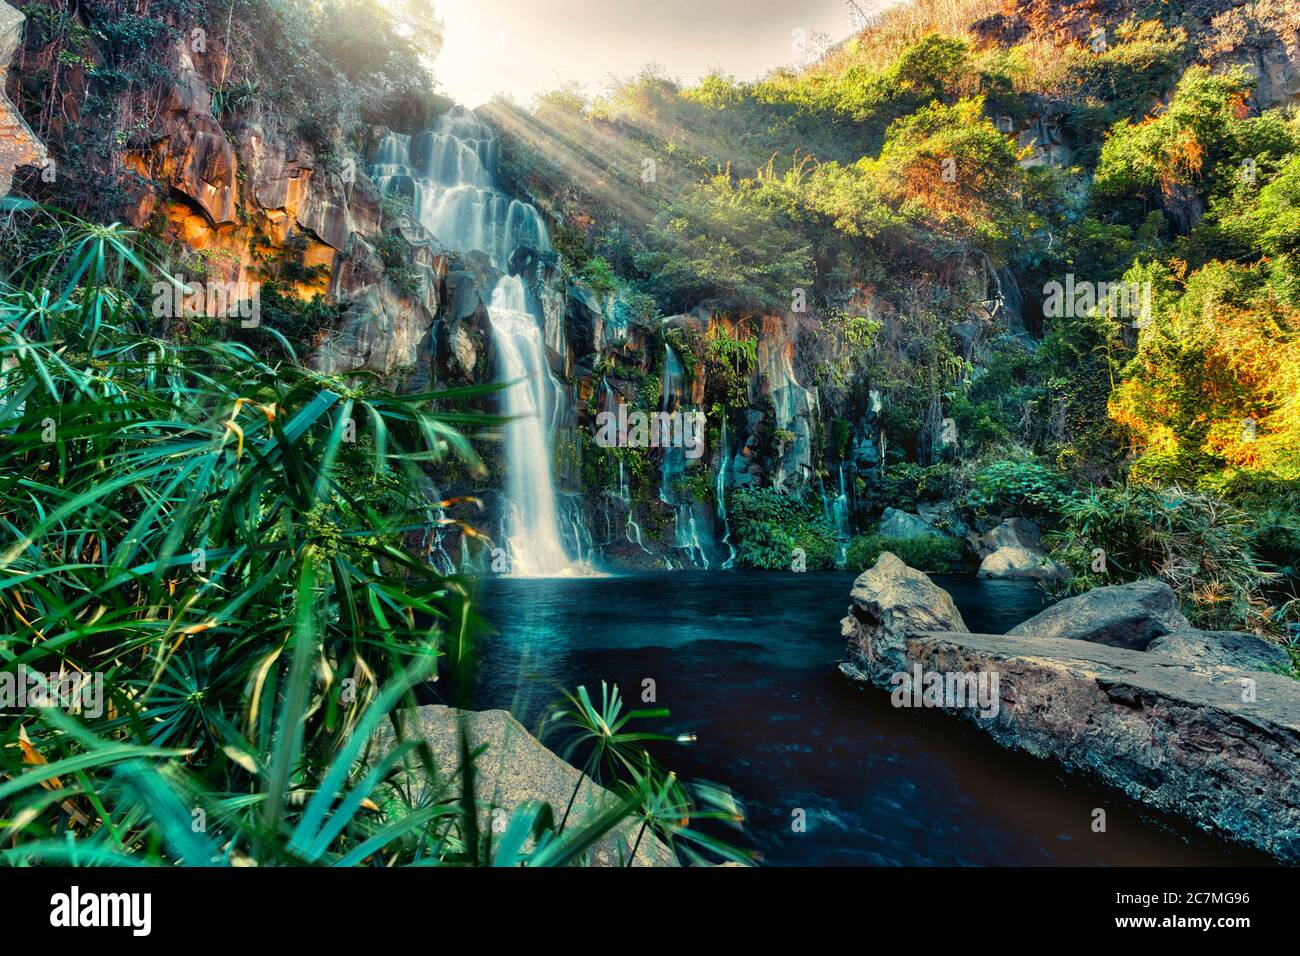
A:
746	661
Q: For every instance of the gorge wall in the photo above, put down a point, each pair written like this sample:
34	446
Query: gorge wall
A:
336	223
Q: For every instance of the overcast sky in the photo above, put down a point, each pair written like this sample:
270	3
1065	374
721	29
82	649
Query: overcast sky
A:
525	47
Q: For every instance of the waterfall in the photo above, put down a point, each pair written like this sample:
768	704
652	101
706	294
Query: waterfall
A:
840	515
836	511
673	462
531	530
449	174
631	530
720	493
686	534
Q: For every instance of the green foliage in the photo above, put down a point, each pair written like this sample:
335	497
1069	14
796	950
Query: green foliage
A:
284	316
1212	382
768	525
1192	152
1199	545
196	526
907	484
927	552
616	756
1024	487
715	242
186	529
395	253
1274	504
945	175
1139	64
599	275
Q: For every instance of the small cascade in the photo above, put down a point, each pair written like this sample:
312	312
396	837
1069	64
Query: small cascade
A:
720	493
574	533
631	530
686	534
449	174
674	459
840	517
435	545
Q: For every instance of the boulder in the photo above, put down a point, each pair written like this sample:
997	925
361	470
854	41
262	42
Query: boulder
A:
516	767
1220	649
1212	746
903	524
1011	533
890	601
1012	562
18	144
1121	615
942	517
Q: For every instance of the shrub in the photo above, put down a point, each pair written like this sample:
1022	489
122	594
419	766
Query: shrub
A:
768	524
599	275
1275	504
925	552
1025	487
907	484
1199	545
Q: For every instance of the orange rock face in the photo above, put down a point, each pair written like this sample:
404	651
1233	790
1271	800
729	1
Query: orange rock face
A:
18	145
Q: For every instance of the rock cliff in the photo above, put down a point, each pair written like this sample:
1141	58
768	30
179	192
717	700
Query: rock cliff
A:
18	145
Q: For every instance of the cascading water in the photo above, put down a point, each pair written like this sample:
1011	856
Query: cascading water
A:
720	493
531	530
674	459
449	174
631	530
673	464
840	516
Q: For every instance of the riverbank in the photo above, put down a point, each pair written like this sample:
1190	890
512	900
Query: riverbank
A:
1101	684
747	662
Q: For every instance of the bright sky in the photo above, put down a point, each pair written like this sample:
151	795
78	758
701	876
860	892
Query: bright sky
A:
525	47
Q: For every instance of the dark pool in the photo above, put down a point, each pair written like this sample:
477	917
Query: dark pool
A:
747	662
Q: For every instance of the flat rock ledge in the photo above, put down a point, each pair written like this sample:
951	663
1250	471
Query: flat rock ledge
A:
1217	745
515	768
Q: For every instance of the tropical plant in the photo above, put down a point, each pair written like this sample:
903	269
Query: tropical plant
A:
616	754
770	527
925	552
194	528
1020	486
1200	546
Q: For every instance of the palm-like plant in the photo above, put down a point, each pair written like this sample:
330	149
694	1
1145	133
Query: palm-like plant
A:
196	525
616	756
191	522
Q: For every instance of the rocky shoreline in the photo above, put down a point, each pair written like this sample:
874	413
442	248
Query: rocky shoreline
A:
1115	684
